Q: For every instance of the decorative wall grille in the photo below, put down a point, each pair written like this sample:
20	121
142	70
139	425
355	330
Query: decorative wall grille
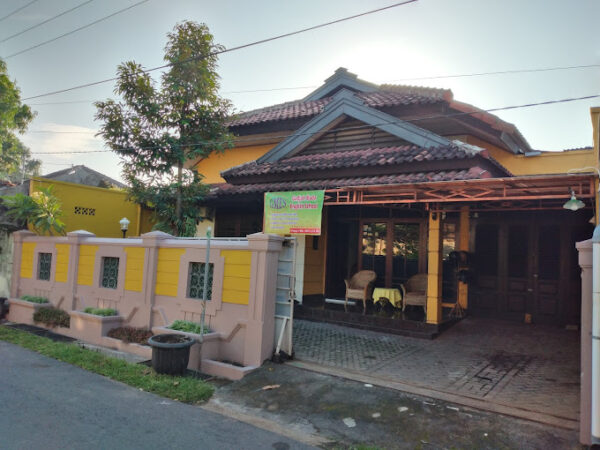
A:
110	272
83	211
196	280
44	266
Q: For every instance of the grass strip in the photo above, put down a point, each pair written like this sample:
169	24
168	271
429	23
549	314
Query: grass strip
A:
183	389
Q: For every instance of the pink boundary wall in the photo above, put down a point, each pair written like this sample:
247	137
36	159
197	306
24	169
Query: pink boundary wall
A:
242	333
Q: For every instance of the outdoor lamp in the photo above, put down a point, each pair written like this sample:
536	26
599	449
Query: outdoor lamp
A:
124	222
573	204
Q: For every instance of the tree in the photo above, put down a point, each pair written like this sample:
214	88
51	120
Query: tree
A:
156	129
14	118
42	211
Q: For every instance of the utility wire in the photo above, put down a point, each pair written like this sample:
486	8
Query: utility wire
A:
17	10
227	50
250	139
436	77
75	30
45	21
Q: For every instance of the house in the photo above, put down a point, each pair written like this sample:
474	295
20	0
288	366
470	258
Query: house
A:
88	203
408	167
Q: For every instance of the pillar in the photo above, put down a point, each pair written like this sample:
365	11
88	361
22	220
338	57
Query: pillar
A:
74	239
15	279
585	398
463	245
152	241
434	269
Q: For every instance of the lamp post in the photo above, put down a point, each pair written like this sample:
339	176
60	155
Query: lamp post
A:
124	222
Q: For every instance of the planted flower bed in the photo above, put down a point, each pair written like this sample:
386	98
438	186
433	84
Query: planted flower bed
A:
52	317
129	339
94	323
21	310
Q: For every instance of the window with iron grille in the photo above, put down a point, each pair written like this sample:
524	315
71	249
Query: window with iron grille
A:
44	266
82	210
196	281
110	272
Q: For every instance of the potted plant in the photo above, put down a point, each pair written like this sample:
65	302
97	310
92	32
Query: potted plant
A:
170	353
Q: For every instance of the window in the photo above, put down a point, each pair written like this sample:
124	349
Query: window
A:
196	280
110	272
82	210
44	266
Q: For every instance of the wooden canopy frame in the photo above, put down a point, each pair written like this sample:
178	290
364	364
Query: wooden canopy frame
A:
530	192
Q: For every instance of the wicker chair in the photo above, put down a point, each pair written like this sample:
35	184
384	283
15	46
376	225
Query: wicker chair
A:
414	291
360	287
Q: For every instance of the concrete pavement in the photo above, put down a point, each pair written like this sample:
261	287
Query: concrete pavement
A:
53	405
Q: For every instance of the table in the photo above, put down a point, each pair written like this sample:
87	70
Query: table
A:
392	294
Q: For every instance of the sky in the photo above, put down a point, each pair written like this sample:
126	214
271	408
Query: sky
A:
402	45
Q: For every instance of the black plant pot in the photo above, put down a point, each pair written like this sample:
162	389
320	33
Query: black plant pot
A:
170	353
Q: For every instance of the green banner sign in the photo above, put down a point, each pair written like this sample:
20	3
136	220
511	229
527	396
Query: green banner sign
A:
296	212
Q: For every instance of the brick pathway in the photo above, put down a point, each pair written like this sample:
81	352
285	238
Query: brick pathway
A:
533	367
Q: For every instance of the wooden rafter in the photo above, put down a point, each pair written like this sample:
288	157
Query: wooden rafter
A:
514	189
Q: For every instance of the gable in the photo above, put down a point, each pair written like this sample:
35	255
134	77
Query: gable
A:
351	134
346	105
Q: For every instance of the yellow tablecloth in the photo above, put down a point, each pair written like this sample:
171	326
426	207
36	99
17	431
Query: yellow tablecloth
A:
392	294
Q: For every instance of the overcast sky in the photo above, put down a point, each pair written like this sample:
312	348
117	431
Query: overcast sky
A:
422	39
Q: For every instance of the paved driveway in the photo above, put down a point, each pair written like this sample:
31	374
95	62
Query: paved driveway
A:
530	367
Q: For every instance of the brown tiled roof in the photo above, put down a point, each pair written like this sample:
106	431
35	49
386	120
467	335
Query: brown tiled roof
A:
475	172
369	157
386	95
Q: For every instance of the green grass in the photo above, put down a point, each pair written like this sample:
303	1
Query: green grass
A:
183	389
101	311
188	327
34	299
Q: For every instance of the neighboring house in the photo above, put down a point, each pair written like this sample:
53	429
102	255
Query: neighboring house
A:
411	168
87	204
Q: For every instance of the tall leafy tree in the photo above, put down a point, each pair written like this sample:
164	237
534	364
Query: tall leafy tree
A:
157	128
15	158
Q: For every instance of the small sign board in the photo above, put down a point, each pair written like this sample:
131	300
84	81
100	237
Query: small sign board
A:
294	212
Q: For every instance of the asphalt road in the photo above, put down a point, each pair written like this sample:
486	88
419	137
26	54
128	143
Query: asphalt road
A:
52	405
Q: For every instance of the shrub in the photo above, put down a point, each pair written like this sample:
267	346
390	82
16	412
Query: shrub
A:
131	334
34	299
188	327
101	311
52	317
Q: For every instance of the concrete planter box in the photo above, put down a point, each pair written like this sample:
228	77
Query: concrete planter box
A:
144	351
205	355
92	328
22	311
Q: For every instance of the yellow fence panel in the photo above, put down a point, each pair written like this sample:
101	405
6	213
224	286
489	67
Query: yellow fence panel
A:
62	263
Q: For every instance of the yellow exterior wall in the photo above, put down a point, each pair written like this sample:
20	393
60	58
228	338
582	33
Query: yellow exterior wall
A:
314	262
134	271
542	164
110	206
87	259
27	253
62	263
167	271
236	278
212	166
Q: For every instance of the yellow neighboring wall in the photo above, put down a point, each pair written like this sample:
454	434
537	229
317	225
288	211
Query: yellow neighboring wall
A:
97	210
212	166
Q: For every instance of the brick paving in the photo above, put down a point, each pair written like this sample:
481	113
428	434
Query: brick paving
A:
533	367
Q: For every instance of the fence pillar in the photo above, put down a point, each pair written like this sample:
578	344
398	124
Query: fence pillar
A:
434	269
260	325
15	281
585	398
74	239
151	242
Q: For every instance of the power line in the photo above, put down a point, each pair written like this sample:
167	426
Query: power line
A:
436	77
75	30
420	119
219	52
45	21
17	10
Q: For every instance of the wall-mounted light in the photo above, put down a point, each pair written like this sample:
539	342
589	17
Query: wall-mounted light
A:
124	222
573	204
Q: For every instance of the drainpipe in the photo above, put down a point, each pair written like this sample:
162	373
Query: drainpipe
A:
596	336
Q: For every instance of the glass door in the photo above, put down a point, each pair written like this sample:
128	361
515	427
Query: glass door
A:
374	249
405	257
